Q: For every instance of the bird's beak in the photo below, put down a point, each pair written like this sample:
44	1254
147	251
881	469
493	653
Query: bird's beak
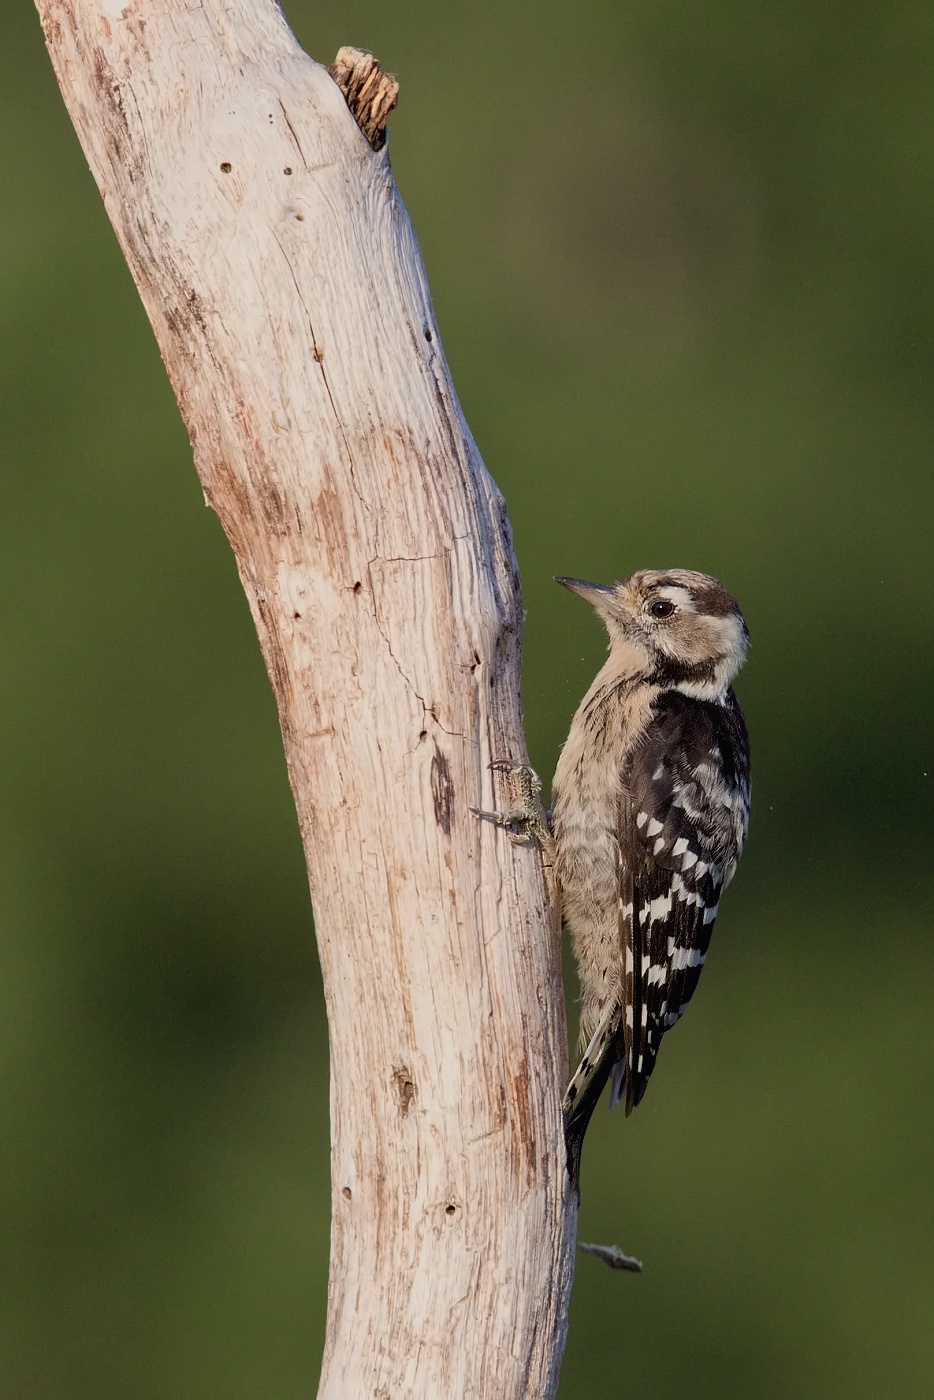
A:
596	594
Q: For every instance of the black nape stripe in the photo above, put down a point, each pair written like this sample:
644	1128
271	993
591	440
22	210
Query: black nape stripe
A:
669	672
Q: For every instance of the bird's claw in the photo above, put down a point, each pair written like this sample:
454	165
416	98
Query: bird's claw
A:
526	821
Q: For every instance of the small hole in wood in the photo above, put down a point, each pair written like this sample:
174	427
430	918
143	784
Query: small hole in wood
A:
428	335
423	734
450	1208
226	167
296	615
357	586
347	1193
287	170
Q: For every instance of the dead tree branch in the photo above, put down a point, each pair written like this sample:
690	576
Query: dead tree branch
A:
285	287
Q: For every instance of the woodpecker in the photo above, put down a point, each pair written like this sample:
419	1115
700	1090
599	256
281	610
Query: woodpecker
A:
650	805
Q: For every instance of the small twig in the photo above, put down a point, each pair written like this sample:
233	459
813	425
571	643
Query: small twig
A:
613	1257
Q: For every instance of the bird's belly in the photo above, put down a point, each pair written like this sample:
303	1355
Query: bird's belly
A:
587	870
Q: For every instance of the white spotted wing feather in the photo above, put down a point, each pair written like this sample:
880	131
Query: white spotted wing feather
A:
682	822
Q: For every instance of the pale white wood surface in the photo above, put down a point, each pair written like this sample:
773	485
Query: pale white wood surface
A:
287	293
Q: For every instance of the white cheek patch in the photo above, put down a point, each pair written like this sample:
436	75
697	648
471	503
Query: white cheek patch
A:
731	641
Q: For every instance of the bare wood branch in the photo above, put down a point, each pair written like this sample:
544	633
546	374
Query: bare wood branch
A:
287	293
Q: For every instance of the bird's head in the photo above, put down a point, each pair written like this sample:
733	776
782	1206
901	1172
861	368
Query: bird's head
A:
678	628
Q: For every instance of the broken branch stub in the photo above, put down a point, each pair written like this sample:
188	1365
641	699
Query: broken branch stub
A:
370	93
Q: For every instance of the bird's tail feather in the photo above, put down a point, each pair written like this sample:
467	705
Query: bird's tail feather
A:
601	1059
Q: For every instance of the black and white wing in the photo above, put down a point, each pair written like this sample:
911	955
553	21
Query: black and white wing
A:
682	823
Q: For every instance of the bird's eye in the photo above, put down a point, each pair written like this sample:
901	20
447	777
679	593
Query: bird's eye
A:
662	607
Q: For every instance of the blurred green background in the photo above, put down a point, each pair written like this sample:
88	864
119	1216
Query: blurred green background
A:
683	260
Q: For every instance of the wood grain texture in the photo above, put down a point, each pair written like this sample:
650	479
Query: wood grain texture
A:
287	293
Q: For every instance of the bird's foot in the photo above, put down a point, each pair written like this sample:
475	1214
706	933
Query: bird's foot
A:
526	820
